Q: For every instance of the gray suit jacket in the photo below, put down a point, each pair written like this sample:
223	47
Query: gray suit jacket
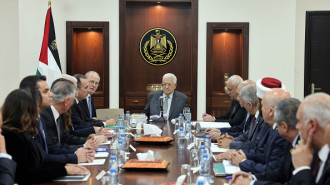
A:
179	101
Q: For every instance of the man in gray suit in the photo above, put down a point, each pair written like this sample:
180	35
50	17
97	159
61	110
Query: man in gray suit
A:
172	101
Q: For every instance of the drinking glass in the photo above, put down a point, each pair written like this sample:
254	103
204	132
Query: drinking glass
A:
185	170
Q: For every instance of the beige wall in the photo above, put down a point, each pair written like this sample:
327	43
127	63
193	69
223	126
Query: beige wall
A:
9	67
276	37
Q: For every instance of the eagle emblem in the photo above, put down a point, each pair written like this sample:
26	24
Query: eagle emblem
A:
158	46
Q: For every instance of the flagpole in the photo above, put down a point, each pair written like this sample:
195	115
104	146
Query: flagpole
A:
49	3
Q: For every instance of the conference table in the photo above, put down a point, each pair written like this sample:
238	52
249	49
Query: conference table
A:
170	152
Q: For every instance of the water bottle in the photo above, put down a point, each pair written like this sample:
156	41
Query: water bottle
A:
181	120
121	153
188	115
205	166
181	138
127	119
188	130
113	176
120	121
202	151
200	182
123	138
113	162
121	130
207	142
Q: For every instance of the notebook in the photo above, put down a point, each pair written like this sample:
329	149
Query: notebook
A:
225	168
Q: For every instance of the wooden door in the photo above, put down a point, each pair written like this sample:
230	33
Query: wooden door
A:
317	52
88	50
136	18
227	54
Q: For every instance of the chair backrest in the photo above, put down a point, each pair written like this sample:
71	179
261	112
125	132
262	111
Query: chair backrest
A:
105	114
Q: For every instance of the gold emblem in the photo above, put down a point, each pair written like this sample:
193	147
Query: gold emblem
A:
158	46
53	45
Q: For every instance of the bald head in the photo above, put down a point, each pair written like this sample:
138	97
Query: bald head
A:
270	99
239	87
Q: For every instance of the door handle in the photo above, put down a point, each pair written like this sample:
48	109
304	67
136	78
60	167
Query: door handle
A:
313	88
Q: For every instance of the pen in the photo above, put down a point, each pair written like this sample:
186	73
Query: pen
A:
98	168
229	177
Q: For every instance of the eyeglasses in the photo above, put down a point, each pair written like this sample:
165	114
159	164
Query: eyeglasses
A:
95	83
167	84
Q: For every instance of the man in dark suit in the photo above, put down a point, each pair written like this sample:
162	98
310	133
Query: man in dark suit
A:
285	116
63	98
313	117
53	152
7	165
78	116
93	79
173	101
236	113
275	146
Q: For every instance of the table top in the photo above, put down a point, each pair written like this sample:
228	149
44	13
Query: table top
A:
170	152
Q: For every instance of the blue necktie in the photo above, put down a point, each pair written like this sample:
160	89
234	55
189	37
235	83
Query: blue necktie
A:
42	133
90	107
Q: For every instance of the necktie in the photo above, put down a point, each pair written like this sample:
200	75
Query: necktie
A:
58	124
165	104
233	111
316	166
90	106
253	127
42	133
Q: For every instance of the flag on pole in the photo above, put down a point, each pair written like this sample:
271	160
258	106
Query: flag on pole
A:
49	61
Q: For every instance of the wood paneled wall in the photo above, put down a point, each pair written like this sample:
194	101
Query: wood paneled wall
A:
136	18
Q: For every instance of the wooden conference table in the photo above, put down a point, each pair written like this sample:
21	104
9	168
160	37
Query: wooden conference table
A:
176	157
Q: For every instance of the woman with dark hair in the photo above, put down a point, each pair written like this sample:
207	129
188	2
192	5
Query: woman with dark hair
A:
20	123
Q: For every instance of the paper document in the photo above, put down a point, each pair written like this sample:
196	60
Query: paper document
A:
216	149
80	178
106	143
101	154
229	168
205	125
95	162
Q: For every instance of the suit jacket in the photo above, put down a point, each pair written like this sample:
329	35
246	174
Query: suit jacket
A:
179	101
235	116
92	105
305	177
268	160
237	130
67	140
7	171
31	166
79	118
256	142
280	175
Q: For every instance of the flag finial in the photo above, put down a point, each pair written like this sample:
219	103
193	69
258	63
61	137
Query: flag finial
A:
49	3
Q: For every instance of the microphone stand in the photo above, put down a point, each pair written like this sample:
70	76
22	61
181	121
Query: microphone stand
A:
161	110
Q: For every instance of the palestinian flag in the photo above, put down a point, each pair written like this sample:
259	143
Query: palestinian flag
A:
49	61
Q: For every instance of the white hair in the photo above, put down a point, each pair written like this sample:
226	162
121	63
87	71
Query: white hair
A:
248	94
235	80
91	72
170	75
69	77
316	106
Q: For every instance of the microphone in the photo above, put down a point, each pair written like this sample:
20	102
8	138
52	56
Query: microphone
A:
161	101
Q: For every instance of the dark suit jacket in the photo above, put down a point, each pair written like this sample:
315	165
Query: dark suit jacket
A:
179	101
256	142
234	116
7	171
268	160
280	175
58	156
237	130
68	140
305	177
31	166
79	118
85	103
